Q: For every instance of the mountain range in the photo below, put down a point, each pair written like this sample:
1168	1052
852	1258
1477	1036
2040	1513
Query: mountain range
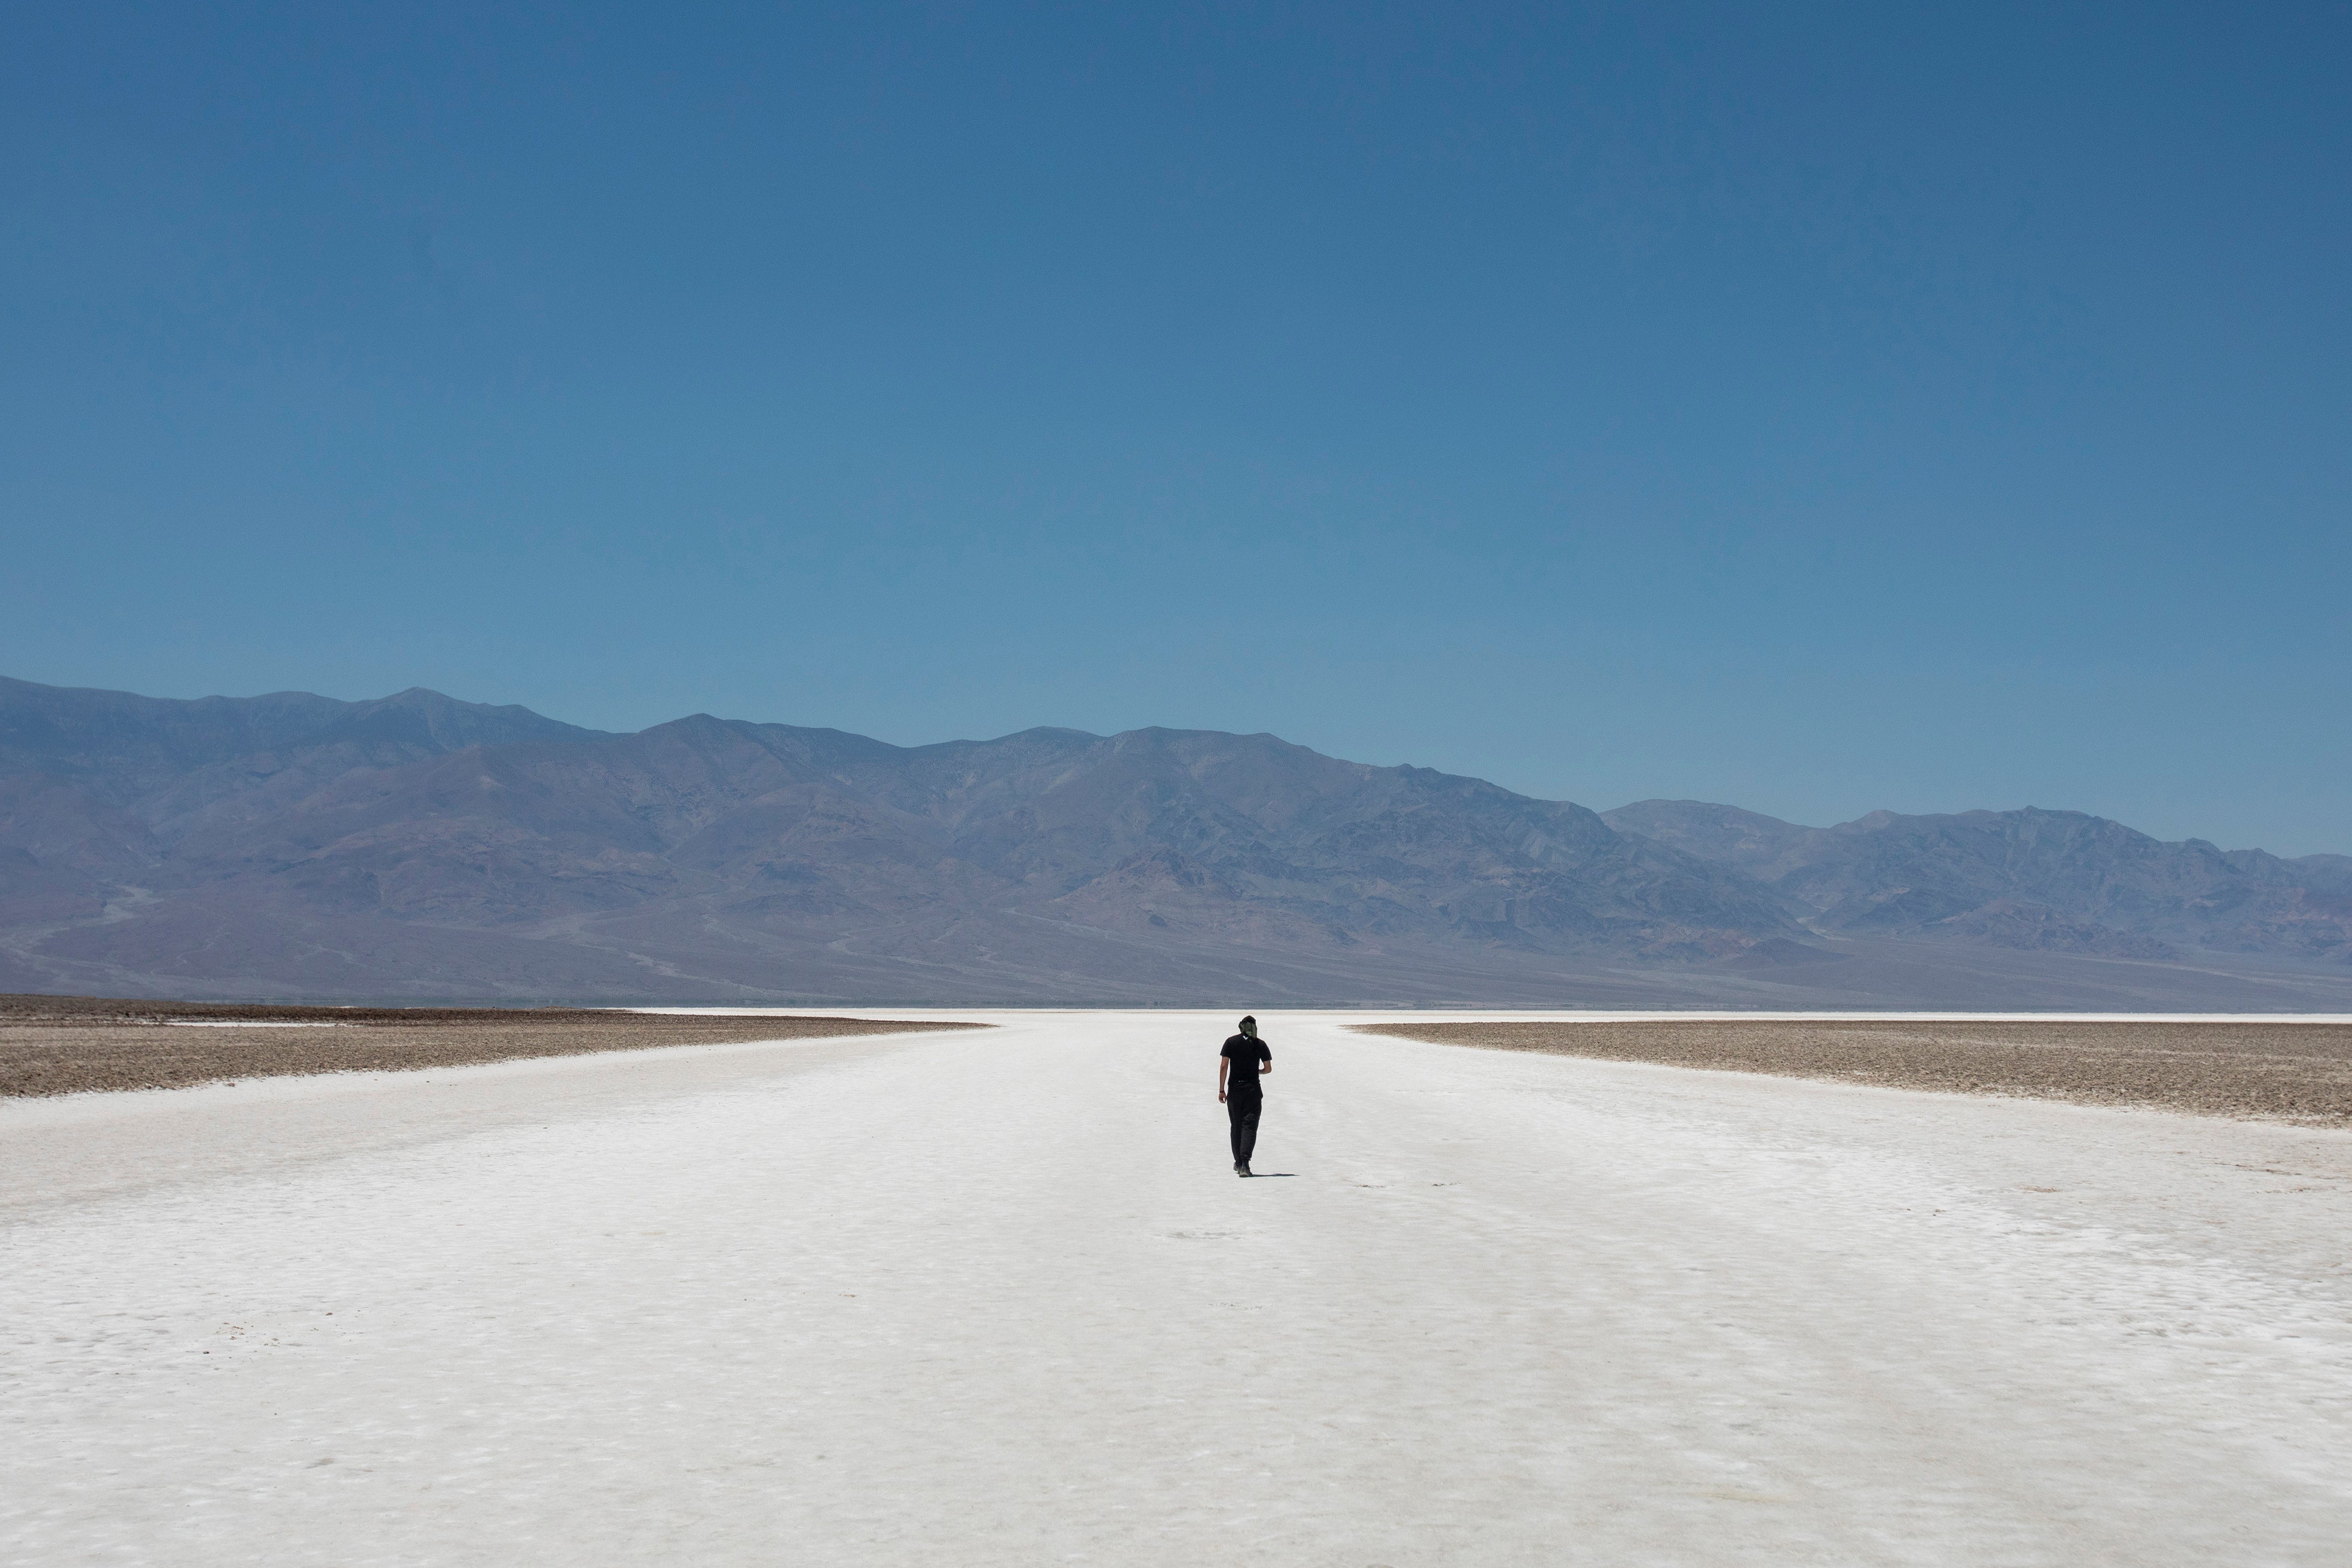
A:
418	847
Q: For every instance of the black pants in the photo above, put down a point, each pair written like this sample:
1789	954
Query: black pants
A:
1243	1114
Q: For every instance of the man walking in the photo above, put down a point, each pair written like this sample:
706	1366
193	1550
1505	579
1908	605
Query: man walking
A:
1239	1066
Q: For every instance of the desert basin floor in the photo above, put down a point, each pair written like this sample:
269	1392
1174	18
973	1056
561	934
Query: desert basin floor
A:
996	1298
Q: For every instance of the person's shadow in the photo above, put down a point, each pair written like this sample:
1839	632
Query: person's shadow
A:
1270	1175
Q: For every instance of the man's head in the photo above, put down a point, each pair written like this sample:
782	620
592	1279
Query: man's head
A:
1249	1027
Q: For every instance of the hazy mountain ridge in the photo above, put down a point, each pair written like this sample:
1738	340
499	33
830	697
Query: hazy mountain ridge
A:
2054	880
121	745
417	845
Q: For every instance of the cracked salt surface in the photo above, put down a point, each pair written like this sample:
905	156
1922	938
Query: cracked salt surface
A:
996	1299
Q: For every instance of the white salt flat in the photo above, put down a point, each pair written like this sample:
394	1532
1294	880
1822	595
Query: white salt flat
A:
996	1299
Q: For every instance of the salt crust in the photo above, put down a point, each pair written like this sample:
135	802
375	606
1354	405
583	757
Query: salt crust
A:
993	1298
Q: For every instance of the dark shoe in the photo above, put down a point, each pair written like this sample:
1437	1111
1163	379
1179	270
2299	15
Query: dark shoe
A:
1243	1169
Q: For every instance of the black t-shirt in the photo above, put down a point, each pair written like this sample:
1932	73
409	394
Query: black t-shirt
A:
1241	1080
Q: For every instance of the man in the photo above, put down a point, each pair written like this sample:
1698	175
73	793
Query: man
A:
1240	1065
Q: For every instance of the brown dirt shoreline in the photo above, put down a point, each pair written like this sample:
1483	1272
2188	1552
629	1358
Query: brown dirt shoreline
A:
68	1044
2291	1072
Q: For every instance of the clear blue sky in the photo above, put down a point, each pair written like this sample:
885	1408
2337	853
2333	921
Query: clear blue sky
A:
1816	408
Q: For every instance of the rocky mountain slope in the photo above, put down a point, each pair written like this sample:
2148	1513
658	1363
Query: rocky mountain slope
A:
417	846
2031	879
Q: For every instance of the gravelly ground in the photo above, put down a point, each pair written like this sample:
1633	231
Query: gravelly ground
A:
2296	1072
65	1045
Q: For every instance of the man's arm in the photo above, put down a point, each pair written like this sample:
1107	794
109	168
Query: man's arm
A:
1223	1063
